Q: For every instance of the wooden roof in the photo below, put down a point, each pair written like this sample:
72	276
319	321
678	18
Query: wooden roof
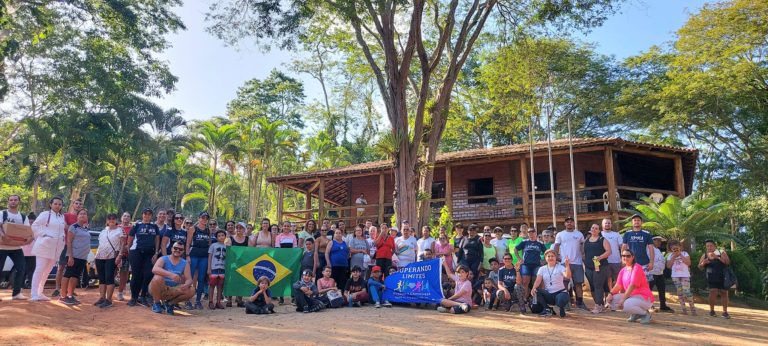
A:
689	157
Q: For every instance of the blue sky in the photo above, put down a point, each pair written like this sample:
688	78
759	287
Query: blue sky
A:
210	73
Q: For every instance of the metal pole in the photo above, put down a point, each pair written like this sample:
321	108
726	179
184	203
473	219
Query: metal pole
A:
551	174
573	179
533	180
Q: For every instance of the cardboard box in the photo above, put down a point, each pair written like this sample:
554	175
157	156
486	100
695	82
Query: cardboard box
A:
15	235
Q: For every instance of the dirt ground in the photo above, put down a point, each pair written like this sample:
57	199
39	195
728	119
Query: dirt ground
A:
55	323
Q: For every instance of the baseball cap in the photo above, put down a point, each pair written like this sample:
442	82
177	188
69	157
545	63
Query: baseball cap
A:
376	269
241	224
659	238
636	216
308	272
568	218
147	210
204	214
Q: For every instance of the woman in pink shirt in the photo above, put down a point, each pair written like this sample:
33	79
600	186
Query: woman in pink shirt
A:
631	292
286	238
444	249
461	300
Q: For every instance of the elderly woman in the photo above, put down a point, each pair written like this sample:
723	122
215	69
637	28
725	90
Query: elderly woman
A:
49	242
631	292
550	286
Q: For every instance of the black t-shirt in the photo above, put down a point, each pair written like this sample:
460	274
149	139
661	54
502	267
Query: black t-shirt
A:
260	300
201	240
508	277
174	236
144	236
473	248
354	286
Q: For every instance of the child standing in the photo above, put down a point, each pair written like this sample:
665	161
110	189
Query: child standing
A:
308	258
217	254
260	303
679	261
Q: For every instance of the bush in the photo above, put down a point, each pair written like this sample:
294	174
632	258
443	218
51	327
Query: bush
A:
750	281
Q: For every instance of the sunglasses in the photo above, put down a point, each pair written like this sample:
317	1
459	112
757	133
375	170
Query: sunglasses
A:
507	259
188	222
626	256
212	223
177	249
179	218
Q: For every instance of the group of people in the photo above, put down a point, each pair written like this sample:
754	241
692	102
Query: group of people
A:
172	259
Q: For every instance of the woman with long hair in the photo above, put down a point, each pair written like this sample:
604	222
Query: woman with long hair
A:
263	238
198	243
49	242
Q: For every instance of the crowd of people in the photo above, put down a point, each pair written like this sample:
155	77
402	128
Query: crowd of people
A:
173	262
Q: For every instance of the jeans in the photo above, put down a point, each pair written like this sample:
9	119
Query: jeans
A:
559	298
141	266
302	300
199	267
29	269
376	289
597	284
17	256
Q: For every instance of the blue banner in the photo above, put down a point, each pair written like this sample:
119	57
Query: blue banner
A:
418	282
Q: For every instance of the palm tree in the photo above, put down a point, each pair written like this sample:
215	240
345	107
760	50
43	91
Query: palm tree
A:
201	190
325	153
686	219
218	141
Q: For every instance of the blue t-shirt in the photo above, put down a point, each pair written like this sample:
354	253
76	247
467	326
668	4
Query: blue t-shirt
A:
339	254
532	251
174	236
144	235
81	241
177	269
508	277
638	242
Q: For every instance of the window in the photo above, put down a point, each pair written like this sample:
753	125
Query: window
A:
479	187
541	181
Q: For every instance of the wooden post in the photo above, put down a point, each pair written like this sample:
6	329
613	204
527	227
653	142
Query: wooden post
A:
381	198
449	190
611	177
524	181
280	193
321	201
679	178
308	204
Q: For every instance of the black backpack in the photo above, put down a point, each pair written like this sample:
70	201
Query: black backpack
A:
5	217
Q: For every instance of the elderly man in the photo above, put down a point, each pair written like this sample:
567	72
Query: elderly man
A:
172	283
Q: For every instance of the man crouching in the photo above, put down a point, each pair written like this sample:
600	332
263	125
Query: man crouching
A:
172	283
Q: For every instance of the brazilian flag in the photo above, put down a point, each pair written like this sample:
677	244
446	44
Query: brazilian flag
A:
245	265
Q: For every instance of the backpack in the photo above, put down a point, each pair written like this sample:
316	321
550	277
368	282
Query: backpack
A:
5	217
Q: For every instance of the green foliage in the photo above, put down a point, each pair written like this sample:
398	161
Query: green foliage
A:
445	220
743	266
277	97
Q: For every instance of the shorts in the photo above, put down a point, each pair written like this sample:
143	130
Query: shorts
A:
169	292
216	278
716	284
577	273
529	269
76	269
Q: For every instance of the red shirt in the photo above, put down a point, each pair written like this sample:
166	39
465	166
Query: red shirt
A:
70	218
385	248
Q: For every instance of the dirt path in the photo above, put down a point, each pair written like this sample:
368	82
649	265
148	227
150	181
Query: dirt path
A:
54	323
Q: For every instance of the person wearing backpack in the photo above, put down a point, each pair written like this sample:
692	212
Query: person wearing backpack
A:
15	253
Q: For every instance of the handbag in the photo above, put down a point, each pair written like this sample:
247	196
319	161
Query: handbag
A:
729	278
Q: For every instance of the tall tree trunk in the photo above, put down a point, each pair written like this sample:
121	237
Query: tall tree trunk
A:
119	201
406	180
251	193
138	204
257	197
212	197
35	193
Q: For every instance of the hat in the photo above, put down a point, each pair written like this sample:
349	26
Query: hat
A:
241	224
376	269
204	214
147	210
659	238
568	218
308	272
636	216
356	269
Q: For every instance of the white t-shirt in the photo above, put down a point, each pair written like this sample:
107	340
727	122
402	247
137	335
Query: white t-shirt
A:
110	242
501	248
658	262
13	218
570	245
679	269
424	244
405	249
614	240
552	277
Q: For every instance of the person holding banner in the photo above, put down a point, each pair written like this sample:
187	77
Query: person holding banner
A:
550	286
461	300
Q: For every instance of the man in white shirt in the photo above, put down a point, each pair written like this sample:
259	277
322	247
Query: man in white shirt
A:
569	245
12	215
360	202
614	260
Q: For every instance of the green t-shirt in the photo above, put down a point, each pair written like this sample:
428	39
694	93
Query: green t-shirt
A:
511	244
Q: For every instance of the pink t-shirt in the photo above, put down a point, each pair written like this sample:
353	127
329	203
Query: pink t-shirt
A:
463	290
284	238
636	277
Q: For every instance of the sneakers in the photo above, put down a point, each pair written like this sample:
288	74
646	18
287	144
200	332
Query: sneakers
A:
56	293
633	318
378	305
169	309
19	297
581	305
99	302
157	308
228	304
240	304
211	305
41	298
726	316
120	297
545	313
666	309
598	309
386	304
356	304
646	319
106	304
712	313
69	301
441	309
132	302
189	306
198	305
306	309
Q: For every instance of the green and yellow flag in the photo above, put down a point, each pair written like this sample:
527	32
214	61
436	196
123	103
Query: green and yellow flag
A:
245	265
